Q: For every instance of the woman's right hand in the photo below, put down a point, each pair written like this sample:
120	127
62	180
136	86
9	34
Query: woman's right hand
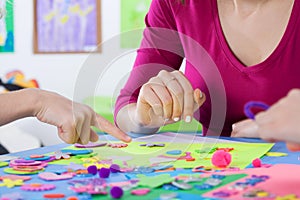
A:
167	98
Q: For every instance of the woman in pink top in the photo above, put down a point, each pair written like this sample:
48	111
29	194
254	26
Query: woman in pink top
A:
236	51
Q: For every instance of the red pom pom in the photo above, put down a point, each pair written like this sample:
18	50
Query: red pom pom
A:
256	162
221	159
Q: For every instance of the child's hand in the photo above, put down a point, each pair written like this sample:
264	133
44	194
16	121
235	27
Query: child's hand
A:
73	120
167	98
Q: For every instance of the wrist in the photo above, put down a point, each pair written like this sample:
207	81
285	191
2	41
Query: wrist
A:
34	99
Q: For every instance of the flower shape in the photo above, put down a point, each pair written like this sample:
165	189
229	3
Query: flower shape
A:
60	155
37	187
11	183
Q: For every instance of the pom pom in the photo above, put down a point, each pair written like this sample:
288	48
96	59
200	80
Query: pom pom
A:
256	162
114	168
92	169
116	192
104	172
221	159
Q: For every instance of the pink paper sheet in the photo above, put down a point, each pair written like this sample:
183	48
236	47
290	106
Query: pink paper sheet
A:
284	180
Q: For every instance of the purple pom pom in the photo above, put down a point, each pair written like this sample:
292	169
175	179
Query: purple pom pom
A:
116	192
114	168
92	169
104	172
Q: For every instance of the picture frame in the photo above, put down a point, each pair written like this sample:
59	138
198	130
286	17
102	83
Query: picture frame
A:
67	26
7	26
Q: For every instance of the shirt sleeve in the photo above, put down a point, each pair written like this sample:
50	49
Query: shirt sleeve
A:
160	49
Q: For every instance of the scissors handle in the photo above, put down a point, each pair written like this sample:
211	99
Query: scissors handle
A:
254	104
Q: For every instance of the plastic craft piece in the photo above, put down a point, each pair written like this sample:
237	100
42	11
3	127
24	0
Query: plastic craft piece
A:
221	159
104	172
117	145
90	145
92	169
114	168
49	176
116	192
256	162
37	187
140	192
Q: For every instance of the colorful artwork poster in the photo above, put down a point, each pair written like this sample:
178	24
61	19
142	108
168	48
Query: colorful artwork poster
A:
67	26
7	26
133	14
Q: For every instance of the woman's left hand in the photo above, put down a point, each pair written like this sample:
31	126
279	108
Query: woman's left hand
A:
245	128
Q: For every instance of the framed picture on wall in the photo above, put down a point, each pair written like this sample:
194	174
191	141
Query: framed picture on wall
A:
67	26
7	26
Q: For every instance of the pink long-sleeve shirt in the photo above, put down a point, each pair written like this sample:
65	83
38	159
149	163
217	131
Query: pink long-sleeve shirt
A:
193	31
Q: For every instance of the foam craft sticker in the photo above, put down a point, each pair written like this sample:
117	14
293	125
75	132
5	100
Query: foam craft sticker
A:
74	166
3	164
60	155
15	177
154	181
77	152
140	192
49	176
12	171
276	154
38	187
11	183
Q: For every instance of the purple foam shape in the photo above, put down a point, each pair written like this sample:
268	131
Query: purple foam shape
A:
92	169
104	172
116	192
114	168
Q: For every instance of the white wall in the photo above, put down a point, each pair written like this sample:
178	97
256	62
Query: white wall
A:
59	72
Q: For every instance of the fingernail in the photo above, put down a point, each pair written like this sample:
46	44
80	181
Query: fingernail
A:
127	138
188	119
201	94
233	126
176	119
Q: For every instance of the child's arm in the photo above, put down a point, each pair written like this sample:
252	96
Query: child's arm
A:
72	119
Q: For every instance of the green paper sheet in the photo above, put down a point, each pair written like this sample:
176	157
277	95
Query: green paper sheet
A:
136	155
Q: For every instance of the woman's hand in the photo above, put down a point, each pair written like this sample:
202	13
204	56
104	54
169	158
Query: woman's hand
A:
167	98
282	121
246	128
73	120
